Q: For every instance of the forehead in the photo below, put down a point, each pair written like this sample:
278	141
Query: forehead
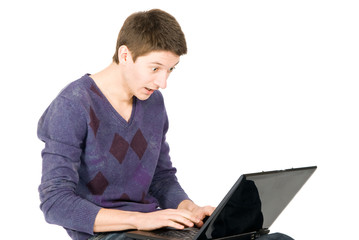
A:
165	58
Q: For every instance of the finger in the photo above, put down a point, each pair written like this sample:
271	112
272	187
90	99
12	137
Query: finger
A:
182	220
175	225
188	216
209	210
204	213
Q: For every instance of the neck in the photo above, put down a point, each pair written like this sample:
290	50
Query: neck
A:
111	83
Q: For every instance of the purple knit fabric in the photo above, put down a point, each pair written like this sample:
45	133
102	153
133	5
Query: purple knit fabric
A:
93	158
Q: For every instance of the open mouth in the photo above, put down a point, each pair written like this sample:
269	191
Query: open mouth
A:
150	89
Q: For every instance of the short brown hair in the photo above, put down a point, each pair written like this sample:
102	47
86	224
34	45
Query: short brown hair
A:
148	31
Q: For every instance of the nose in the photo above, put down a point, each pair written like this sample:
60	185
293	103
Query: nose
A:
161	80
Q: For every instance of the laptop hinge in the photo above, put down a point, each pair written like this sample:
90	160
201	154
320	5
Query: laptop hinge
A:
245	236
261	232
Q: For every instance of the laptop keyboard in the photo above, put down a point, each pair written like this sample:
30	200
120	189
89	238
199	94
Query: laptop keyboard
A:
187	233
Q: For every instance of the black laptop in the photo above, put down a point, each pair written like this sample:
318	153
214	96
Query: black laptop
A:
246	212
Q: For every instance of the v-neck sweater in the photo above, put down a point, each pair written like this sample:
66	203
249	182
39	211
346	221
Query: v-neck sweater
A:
93	158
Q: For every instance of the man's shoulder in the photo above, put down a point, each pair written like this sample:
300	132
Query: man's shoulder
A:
76	95
77	89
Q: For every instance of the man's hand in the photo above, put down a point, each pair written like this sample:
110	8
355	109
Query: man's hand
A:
175	218
197	211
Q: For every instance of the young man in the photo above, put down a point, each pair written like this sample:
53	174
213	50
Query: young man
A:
106	164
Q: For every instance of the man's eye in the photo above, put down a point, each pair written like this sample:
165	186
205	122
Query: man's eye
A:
154	69
171	69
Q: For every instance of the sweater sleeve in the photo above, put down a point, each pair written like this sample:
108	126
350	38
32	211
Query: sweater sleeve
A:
63	128
165	186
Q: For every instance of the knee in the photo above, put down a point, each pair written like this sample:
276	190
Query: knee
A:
275	236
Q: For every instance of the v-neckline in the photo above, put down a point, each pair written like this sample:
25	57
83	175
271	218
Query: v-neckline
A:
116	114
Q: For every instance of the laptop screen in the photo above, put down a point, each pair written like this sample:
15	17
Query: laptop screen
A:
255	201
276	189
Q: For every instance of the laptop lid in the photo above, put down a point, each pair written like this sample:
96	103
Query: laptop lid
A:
254	202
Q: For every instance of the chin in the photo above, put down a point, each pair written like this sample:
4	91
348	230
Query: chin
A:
143	97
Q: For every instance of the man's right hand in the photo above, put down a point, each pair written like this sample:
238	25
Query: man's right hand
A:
175	218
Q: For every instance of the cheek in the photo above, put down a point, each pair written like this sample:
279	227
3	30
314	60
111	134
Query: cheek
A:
144	78
137	78
140	77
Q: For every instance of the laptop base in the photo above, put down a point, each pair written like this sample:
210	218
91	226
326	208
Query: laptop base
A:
172	234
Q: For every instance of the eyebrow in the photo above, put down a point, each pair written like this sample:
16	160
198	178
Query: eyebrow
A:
158	63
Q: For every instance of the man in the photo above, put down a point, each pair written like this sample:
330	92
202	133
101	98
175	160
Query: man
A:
106	164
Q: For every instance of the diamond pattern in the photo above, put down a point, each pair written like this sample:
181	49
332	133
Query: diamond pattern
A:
125	197
119	148
95	122
98	184
139	144
143	200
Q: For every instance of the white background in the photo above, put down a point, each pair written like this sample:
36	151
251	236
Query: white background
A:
265	85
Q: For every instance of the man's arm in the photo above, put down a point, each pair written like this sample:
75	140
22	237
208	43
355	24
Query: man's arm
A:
108	220
63	128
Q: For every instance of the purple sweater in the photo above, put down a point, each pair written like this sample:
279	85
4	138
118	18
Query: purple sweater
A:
94	159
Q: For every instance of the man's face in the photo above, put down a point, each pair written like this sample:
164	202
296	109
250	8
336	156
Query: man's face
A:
149	73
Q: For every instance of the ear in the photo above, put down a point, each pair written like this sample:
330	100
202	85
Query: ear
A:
124	54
